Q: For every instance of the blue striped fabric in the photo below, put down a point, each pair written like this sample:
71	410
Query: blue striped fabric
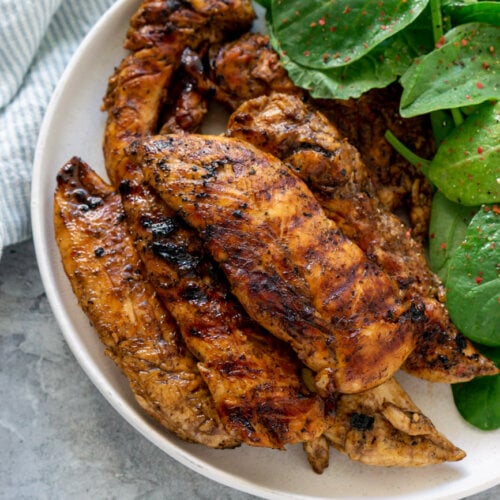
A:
37	39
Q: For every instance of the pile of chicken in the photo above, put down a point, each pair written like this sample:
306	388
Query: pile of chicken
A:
256	287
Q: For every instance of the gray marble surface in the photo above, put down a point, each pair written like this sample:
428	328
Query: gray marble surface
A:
59	438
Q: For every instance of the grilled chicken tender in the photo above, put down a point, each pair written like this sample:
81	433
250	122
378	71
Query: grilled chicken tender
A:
289	265
249	67
254	379
382	426
314	149
160	31
140	336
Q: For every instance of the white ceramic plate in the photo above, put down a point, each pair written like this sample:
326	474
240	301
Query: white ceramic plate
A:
73	126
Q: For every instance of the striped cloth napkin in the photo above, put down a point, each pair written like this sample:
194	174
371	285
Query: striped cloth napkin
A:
37	40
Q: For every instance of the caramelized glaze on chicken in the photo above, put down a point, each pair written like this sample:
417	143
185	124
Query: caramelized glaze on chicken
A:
249	67
288	264
314	149
140	336
253	378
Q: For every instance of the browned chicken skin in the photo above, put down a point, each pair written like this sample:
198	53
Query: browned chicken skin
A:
253	379
160	31
306	141
288	264
140	336
254	383
249	67
382	426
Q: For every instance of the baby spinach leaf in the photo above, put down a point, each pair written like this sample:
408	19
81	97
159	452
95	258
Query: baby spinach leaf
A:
461	72
473	282
478	401
448	225
323	34
471	12
377	69
466	167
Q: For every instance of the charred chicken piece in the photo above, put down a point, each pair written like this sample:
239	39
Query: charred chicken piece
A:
364	121
140	336
159	33
289	265
249	67
315	150
186	104
254	379
382	426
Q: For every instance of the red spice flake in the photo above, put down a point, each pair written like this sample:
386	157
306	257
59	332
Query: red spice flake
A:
499	300
493	246
321	21
325	57
347	59
306	53
364	13
383	27
443	246
432	236
463	42
496	209
485	65
479	280
365	45
467	96
347	10
333	29
479	85
480	150
312	25
440	42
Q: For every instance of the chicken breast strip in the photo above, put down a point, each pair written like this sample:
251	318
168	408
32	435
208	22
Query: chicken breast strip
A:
288	264
283	125
160	31
383	427
254	381
253	378
140	336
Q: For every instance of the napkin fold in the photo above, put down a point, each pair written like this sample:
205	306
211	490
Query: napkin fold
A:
37	40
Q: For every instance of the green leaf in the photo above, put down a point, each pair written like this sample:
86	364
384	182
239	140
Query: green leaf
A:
466	167
447	229
265	3
478	402
473	282
467	12
461	72
323	34
442	124
377	69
